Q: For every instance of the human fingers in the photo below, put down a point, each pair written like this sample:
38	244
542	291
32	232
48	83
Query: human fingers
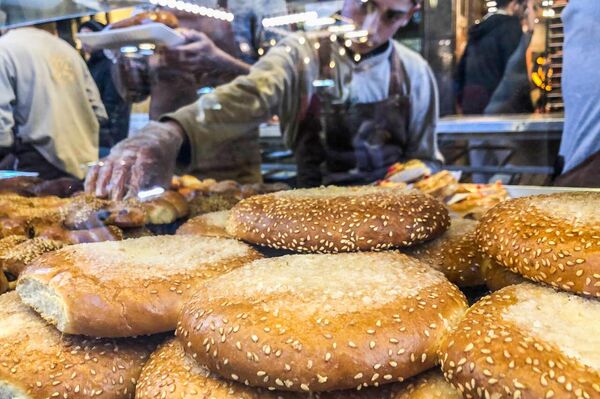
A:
104	175
91	178
120	179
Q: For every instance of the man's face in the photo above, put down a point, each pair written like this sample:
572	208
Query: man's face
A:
380	18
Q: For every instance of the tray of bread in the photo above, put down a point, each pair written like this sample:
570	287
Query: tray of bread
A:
422	289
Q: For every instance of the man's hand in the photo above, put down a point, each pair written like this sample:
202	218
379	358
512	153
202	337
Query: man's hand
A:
198	55
140	162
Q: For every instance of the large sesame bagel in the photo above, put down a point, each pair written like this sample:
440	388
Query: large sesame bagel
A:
526	341
171	373
37	361
211	224
126	288
321	322
554	239
336	219
455	254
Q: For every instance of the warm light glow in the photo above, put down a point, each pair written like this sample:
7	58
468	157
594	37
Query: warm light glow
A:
290	19
195	9
341	28
320	22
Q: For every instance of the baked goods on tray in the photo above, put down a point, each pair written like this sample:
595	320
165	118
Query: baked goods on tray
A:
126	288
339	219
455	254
37	361
171	373
321	322
551	239
526	341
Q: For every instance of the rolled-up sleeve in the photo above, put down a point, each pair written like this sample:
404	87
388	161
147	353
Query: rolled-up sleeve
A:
273	87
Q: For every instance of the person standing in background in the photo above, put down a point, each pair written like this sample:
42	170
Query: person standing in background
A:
511	96
116	127
580	146
491	43
50	107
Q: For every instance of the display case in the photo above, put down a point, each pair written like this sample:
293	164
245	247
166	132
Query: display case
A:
274	219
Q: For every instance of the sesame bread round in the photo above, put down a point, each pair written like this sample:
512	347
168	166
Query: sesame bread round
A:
16	259
321	322
172	373
126	288
455	254
552	239
211	224
497	277
336	219
526	341
37	361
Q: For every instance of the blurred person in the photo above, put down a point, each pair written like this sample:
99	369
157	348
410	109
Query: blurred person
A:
349	110
215	53
511	96
490	45
50	107
116	127
580	146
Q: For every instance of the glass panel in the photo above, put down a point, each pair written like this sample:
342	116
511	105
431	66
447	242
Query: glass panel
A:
14	13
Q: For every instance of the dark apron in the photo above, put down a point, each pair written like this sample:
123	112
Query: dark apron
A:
587	174
348	144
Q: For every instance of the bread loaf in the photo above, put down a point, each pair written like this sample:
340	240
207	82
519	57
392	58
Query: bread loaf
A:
455	254
497	277
212	224
335	219
96	234
526	341
552	239
16	259
11	226
37	361
321	322
126	288
171	373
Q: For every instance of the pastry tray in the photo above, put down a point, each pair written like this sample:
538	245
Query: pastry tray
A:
154	33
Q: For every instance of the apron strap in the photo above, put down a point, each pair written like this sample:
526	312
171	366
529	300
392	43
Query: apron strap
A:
399	85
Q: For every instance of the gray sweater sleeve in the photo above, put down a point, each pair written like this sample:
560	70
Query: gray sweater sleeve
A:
7	99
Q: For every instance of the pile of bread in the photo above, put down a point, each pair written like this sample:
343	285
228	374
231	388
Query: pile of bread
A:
362	302
461	199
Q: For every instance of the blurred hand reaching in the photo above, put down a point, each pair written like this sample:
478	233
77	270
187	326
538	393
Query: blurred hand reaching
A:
140	162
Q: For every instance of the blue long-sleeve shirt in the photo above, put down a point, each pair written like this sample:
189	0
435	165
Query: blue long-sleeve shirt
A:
581	82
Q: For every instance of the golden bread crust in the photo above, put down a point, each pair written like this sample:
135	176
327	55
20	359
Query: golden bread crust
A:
334	219
321	322
131	287
455	254
171	372
517	343
552	239
37	360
